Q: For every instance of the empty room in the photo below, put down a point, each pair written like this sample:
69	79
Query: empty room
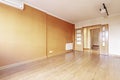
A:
59	39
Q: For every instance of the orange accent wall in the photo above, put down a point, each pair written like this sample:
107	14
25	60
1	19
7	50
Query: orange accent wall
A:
29	34
58	34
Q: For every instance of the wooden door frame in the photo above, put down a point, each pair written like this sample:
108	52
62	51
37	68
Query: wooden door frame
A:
81	36
98	26
107	40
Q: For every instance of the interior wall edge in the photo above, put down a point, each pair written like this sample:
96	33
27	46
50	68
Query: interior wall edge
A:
29	4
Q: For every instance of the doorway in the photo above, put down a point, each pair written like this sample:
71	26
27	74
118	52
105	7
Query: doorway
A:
94	37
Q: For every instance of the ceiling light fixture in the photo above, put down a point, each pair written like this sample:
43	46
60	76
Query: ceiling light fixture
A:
104	10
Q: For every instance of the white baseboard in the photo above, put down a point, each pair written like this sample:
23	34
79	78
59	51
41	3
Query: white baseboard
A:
21	63
117	55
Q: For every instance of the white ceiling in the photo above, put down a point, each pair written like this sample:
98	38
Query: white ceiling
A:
75	10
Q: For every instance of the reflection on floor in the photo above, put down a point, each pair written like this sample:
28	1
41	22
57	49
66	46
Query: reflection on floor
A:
70	66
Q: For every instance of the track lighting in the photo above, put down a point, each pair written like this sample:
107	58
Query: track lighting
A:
104	10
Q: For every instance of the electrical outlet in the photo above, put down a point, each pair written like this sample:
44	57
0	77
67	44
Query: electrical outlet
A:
50	52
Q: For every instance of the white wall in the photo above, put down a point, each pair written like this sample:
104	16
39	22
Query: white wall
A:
114	31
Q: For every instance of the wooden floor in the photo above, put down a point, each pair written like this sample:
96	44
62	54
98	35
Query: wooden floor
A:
70	66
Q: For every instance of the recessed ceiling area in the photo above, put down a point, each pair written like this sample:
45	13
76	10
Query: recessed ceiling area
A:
75	10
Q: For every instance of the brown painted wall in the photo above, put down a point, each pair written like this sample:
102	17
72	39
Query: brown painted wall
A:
58	34
23	34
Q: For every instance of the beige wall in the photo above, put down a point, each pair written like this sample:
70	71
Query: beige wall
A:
114	30
23	34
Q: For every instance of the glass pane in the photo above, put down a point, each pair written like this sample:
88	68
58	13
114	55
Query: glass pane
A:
107	34
78	35
78	42
78	39
103	44
103	34
103	39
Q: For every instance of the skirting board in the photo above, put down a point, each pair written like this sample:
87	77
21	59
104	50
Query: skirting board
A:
21	63
114	55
